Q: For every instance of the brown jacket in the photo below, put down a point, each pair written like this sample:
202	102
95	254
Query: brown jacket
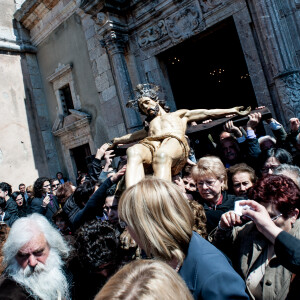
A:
244	245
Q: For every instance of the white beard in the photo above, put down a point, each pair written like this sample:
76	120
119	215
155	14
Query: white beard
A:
46	282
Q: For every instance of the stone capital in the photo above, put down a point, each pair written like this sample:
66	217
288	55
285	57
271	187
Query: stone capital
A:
114	42
93	7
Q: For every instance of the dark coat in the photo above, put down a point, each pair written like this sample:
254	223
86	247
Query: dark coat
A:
93	208
10	290
11	212
287	249
214	215
208	274
48	211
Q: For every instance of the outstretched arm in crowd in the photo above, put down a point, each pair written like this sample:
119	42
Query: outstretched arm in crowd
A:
95	167
278	131
95	204
287	247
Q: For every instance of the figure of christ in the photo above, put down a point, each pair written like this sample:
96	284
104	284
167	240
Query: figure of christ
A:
163	144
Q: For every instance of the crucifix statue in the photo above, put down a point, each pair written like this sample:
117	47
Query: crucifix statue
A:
162	142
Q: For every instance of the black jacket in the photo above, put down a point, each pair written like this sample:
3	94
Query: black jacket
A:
214	215
11	212
48	211
10	290
93	208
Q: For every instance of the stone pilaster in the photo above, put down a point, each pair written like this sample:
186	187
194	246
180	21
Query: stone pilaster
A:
280	55
115	45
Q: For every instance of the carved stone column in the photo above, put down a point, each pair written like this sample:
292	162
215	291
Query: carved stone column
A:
112	32
114	43
279	54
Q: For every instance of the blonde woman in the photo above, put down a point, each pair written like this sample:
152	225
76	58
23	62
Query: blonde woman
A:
145	280
160	220
211	178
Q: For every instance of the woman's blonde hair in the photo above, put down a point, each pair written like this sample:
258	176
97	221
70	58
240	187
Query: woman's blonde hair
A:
145	280
210	166
160	217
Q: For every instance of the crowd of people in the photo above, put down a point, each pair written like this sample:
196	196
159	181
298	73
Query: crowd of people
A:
227	227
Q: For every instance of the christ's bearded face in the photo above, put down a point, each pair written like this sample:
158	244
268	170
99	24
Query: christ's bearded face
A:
148	106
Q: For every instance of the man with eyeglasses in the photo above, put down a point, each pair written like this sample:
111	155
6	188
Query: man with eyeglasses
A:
44	202
55	184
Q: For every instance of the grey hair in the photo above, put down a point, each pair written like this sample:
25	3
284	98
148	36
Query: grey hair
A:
265	138
291	169
24	229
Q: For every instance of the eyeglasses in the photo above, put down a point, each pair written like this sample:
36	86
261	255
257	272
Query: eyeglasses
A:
109	208
209	183
266	169
55	185
276	217
45	186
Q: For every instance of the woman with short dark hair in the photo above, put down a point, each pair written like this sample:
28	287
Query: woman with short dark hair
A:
273	158
18	197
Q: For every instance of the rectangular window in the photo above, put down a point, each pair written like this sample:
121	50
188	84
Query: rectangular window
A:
66	99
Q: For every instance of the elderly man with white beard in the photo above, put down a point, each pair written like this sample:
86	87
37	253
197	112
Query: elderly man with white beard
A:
33	255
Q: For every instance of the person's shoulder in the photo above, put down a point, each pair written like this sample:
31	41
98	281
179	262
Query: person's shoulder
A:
201	245
11	290
36	200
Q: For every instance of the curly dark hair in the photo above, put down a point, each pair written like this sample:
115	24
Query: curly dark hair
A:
5	187
279	190
38	186
97	243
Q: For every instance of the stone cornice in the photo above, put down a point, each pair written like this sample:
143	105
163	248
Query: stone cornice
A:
72	127
59	71
34	10
41	17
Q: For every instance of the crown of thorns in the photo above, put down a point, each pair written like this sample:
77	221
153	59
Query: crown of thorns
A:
143	90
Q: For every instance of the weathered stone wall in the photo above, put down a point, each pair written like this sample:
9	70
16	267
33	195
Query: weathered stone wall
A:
22	154
67	45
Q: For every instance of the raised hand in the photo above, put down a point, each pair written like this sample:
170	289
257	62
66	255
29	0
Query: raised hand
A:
101	150
117	176
229	220
231	128
295	123
46	201
254	120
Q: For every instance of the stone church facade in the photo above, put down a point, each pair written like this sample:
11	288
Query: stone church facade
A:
81	60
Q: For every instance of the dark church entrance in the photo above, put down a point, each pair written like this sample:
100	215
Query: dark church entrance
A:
210	71
80	155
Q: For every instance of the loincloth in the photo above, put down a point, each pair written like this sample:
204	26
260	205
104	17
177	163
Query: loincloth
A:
181	161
